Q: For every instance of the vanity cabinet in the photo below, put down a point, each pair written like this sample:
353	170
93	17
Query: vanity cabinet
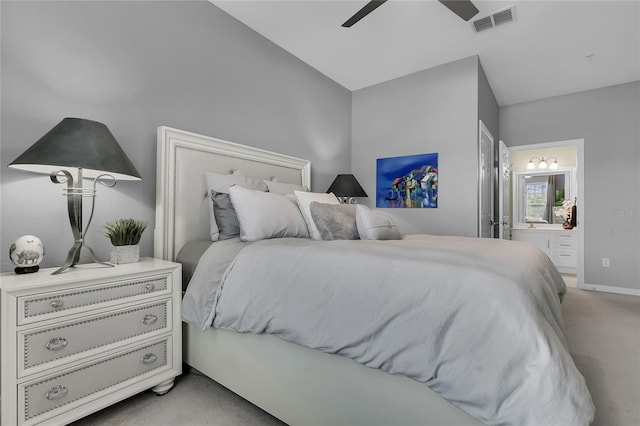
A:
560	245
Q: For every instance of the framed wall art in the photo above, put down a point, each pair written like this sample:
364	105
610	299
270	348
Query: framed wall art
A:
410	181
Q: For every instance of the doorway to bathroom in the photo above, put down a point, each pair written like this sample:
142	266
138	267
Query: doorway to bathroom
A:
537	216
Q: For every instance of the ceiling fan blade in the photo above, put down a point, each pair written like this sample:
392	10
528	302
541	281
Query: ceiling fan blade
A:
367	9
463	8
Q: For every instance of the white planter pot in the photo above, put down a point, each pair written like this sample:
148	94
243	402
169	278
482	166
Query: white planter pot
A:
125	254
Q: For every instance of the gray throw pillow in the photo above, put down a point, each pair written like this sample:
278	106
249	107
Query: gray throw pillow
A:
335	221
225	215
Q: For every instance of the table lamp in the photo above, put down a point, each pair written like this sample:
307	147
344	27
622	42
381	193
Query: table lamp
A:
89	149
346	187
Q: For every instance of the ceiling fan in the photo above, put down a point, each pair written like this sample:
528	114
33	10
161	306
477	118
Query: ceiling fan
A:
463	8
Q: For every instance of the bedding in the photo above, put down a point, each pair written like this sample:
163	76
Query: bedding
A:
335	221
220	183
375	225
199	298
189	256
304	200
488	338
266	215
225	216
283	188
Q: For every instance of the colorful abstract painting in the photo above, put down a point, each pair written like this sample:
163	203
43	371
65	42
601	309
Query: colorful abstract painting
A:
407	182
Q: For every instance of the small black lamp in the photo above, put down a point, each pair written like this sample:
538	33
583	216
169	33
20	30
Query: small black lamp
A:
89	149
346	187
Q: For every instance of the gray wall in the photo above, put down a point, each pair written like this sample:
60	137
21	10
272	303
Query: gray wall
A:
608	121
138	65
435	110
488	110
489	113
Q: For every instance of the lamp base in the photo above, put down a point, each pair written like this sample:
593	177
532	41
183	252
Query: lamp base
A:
74	254
26	269
347	200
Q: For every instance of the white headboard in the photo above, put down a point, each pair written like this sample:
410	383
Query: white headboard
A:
182	213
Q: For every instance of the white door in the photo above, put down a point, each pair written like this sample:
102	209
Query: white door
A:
504	194
485	182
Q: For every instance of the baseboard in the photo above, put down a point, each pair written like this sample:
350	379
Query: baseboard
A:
610	289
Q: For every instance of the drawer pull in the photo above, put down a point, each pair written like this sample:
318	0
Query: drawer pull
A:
57	343
57	304
565	255
149	287
148	359
56	392
149	319
565	245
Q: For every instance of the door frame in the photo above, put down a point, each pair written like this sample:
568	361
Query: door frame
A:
482	129
579	144
504	191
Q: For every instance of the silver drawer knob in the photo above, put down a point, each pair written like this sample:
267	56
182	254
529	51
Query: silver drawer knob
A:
57	304
148	359
149	287
56	392
57	343
149	319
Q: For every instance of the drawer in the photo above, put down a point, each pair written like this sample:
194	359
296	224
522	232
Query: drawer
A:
82	384
57	342
564	235
565	243
43	306
565	258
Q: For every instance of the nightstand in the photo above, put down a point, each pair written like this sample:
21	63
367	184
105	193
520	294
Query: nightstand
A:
80	341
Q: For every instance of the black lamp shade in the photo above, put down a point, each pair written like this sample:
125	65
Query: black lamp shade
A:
78	143
346	186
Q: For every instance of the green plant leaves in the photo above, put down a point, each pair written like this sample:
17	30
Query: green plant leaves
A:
125	232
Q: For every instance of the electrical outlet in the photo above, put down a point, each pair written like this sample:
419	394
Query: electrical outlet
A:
605	262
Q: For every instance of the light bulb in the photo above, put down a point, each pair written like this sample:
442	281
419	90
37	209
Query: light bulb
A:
530	165
542	164
554	165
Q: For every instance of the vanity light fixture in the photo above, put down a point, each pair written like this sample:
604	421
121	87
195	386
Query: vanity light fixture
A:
542	163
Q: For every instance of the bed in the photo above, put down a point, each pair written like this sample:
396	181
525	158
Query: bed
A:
305	386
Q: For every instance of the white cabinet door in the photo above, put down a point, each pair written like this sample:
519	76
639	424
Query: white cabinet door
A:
539	238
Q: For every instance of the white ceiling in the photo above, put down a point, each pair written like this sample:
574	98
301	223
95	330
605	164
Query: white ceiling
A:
542	54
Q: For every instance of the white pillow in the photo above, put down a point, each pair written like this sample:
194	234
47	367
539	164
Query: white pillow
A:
304	199
373	225
266	215
221	183
283	188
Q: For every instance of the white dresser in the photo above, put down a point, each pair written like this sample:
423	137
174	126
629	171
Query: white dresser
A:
560	245
77	342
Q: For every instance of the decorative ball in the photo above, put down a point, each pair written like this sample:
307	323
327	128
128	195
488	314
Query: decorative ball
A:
26	253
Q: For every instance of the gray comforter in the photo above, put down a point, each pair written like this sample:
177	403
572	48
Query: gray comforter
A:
476	320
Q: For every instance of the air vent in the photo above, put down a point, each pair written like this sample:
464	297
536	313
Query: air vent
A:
493	19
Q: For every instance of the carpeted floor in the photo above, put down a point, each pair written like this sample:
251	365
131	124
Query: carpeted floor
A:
603	333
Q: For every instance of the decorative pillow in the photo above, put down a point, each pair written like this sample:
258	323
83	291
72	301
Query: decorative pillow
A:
304	199
249	182
283	188
335	221
265	215
221	183
373	225
225	215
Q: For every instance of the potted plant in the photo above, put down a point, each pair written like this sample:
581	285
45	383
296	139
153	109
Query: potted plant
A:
125	236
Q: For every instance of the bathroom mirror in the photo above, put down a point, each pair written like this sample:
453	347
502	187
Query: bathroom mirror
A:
539	194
